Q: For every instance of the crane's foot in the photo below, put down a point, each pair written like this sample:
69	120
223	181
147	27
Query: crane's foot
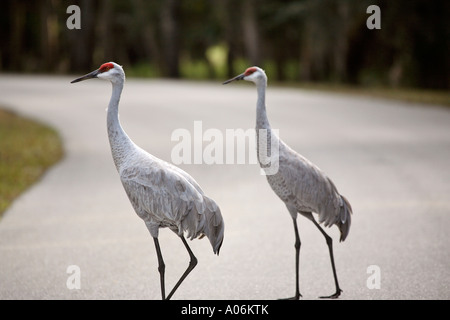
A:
333	296
296	297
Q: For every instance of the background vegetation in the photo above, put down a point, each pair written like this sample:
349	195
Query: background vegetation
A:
294	40
312	43
27	149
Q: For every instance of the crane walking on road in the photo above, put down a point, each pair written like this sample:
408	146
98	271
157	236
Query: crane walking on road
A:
301	185
161	194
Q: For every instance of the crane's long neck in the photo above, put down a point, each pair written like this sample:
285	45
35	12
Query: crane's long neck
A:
120	143
262	122
267	144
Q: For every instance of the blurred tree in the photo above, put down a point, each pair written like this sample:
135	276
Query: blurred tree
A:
169	17
49	39
281	34
145	13
104	45
82	41
309	40
15	47
200	32
228	19
250	31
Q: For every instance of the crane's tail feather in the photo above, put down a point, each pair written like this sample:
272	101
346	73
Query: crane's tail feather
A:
205	219
214	226
345	219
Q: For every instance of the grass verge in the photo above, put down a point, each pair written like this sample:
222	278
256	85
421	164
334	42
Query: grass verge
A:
434	97
27	149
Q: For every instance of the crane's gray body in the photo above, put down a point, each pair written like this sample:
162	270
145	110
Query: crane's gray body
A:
161	194
304	188
165	196
299	183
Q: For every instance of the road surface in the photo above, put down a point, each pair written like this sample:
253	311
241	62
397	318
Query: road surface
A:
390	159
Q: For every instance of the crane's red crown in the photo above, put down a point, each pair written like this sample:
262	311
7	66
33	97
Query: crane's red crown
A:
106	66
249	71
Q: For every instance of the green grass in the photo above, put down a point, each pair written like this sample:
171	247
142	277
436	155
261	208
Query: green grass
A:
412	95
216	71
215	68
142	70
27	149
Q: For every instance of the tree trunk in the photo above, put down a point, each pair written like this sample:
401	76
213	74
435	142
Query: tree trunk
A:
169	18
83	40
250	32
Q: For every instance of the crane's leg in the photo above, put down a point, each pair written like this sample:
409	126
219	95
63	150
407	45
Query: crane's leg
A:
161	267
297	260
192	264
330	249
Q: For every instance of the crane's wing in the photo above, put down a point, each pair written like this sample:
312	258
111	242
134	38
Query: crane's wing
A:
160	195
163	197
312	190
185	175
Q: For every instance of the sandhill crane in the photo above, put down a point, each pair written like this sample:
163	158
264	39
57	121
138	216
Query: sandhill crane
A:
300	184
161	194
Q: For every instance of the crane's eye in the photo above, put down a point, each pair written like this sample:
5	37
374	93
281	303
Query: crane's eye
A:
106	67
249	71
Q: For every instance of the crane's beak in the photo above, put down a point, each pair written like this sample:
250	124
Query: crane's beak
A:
91	75
239	77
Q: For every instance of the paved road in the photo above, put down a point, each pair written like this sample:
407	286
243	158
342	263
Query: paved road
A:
389	158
